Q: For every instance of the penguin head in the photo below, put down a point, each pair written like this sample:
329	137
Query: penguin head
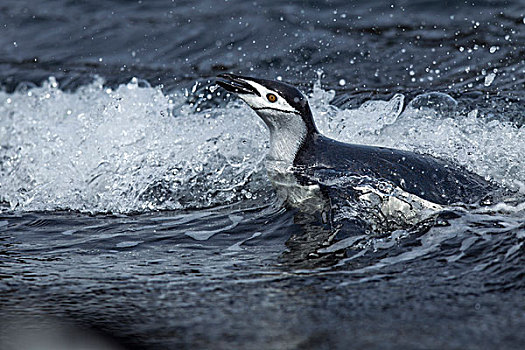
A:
277	103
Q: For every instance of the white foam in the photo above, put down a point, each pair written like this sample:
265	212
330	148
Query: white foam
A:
132	149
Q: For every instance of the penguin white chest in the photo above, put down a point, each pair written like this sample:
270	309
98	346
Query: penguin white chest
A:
307	198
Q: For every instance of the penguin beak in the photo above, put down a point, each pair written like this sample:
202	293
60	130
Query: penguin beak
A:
236	84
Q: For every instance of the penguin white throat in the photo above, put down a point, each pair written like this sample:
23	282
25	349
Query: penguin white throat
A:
288	131
287	134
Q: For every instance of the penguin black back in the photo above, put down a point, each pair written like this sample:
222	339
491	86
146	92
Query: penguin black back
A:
430	178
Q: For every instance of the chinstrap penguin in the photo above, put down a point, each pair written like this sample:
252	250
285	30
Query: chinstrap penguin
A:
311	172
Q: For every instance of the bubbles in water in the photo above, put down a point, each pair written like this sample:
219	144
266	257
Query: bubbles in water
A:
435	103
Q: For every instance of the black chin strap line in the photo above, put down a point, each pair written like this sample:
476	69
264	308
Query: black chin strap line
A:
276	109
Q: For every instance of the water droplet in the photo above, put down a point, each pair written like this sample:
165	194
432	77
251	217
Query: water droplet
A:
493	49
53	82
489	79
342	82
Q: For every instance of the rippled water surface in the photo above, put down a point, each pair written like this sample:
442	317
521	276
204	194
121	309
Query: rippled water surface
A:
135	210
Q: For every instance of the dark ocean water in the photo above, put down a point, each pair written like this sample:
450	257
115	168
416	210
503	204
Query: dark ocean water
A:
135	211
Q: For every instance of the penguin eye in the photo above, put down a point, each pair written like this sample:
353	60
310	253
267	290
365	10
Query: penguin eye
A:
271	97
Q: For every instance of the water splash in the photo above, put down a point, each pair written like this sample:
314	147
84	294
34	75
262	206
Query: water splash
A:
136	149
132	149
